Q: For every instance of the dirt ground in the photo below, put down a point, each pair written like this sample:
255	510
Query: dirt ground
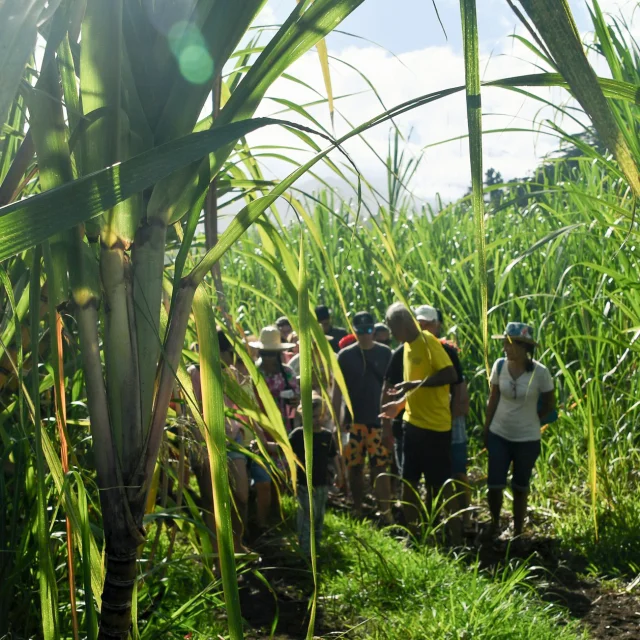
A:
279	594
558	576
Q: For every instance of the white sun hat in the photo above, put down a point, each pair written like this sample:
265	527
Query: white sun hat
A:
271	340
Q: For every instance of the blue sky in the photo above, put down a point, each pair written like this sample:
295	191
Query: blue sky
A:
406	25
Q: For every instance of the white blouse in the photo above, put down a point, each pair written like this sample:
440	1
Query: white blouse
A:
516	417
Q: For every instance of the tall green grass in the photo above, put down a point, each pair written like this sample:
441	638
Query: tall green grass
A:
562	253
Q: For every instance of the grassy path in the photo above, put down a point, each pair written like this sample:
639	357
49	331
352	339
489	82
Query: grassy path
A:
374	586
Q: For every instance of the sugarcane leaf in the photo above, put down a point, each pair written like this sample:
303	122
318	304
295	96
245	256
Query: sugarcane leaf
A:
306	382
535	246
48	591
30	221
25	223
617	89
18	33
213	408
554	21
214	43
474	119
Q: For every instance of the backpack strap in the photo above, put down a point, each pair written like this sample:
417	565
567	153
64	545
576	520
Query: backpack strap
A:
500	365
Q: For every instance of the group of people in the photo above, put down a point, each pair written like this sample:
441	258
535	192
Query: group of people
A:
403	412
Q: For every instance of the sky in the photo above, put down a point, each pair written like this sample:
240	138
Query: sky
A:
404	52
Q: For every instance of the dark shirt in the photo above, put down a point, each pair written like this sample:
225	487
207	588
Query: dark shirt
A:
337	333
395	374
452	352
324	451
363	372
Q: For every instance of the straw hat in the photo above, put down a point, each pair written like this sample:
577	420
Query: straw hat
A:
518	332
270	340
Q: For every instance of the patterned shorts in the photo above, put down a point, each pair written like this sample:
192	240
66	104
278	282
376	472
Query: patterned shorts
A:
366	439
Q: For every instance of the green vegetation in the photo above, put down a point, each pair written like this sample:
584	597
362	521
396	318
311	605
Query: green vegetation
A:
379	588
104	171
555	259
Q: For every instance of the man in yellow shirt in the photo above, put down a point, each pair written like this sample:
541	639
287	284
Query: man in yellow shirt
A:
428	372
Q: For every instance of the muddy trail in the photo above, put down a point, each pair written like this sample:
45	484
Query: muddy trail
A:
558	576
275	593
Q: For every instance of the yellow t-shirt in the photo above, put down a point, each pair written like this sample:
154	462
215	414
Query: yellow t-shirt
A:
427	407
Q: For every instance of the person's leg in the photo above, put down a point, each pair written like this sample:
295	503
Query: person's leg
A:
454	522
499	461
519	510
463	497
398	454
495	507
459	468
524	459
438	477
354	459
262	482
380	458
263	503
382	489
240	489
356	483
412	469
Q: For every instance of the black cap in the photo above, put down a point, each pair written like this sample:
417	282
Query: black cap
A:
323	312
282	320
381	326
363	319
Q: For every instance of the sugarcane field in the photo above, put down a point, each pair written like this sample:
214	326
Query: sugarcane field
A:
319	319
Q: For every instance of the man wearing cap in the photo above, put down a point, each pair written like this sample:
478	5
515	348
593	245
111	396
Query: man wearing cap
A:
382	334
363	365
428	372
335	334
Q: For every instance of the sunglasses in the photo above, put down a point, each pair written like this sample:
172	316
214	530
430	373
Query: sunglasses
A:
364	330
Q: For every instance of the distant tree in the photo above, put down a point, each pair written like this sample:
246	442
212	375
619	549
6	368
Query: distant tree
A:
493	177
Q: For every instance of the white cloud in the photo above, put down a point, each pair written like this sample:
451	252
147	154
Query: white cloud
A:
445	168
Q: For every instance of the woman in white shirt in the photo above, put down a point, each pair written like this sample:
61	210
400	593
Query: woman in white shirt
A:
521	394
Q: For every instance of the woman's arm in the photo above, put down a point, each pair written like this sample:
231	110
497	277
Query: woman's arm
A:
492	405
547	403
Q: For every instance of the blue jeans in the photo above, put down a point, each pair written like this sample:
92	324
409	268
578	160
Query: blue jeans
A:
459	445
502	453
320	496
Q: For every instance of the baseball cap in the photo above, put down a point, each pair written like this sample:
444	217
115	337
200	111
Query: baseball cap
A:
281	321
363	322
426	313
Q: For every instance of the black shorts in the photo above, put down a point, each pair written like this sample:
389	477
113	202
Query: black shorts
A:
426	452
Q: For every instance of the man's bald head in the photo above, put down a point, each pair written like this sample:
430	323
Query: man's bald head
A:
401	322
